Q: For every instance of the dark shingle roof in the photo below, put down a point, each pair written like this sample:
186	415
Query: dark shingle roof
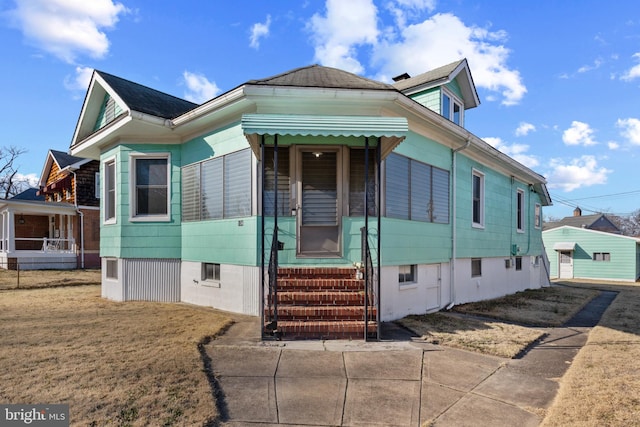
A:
63	159
592	222
146	100
28	194
320	76
430	76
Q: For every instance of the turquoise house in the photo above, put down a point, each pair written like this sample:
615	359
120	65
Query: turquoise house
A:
319	200
581	253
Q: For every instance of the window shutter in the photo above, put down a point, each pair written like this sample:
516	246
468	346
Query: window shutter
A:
397	186
440	196
420	191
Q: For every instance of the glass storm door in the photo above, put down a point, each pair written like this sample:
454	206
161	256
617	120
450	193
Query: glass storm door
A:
318	213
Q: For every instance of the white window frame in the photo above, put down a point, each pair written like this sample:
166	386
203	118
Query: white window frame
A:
480	223
216	268
520	210
133	157
453	100
538	216
106	163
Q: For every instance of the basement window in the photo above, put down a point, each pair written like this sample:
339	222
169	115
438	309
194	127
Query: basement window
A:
111	268
518	263
210	272
406	274
476	267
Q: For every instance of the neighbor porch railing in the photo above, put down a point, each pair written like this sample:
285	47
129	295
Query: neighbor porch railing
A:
43	244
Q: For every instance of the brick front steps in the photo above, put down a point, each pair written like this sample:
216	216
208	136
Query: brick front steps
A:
321	303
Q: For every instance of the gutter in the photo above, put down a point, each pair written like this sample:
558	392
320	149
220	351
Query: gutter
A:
454	225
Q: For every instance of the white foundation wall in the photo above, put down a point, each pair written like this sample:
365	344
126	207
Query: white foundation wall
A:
496	280
111	288
430	292
238	290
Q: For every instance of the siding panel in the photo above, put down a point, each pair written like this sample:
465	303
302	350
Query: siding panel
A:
151	279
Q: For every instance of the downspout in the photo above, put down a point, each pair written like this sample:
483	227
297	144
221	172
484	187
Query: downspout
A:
454	246
75	204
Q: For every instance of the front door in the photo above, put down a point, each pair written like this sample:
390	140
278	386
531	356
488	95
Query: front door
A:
566	264
318	202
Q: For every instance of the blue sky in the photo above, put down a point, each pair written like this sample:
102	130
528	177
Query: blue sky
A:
559	81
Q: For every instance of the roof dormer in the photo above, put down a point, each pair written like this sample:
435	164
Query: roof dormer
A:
447	90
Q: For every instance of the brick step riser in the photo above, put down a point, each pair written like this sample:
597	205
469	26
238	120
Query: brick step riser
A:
324	317
325	332
310	300
317	285
316	273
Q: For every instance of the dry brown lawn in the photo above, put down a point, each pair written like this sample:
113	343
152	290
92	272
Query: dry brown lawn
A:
116	364
484	336
28	279
602	386
551	306
471	326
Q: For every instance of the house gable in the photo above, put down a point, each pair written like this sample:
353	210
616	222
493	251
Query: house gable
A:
455	77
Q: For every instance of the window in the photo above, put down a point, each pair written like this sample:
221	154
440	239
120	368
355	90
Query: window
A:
518	263
210	271
520	210
407	274
110	191
112	268
357	182
416	190
217	188
538	216
602	256
96	184
150	186
452	108
284	180
478	199
476	267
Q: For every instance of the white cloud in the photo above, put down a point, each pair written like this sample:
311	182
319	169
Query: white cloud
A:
633	72
515	151
345	26
404	10
613	145
258	31
67	28
524	129
199	89
596	64
444	38
579	134
630	129
581	172
416	48
80	81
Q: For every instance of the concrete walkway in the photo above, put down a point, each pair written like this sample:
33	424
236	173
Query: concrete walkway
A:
400	381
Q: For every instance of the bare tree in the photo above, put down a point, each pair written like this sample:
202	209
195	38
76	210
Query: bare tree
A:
628	225
9	184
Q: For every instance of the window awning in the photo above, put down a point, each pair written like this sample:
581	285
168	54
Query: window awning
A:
391	130
564	246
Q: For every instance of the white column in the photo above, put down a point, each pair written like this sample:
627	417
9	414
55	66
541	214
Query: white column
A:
11	232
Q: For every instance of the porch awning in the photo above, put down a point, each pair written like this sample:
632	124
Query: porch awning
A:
564	246
391	130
